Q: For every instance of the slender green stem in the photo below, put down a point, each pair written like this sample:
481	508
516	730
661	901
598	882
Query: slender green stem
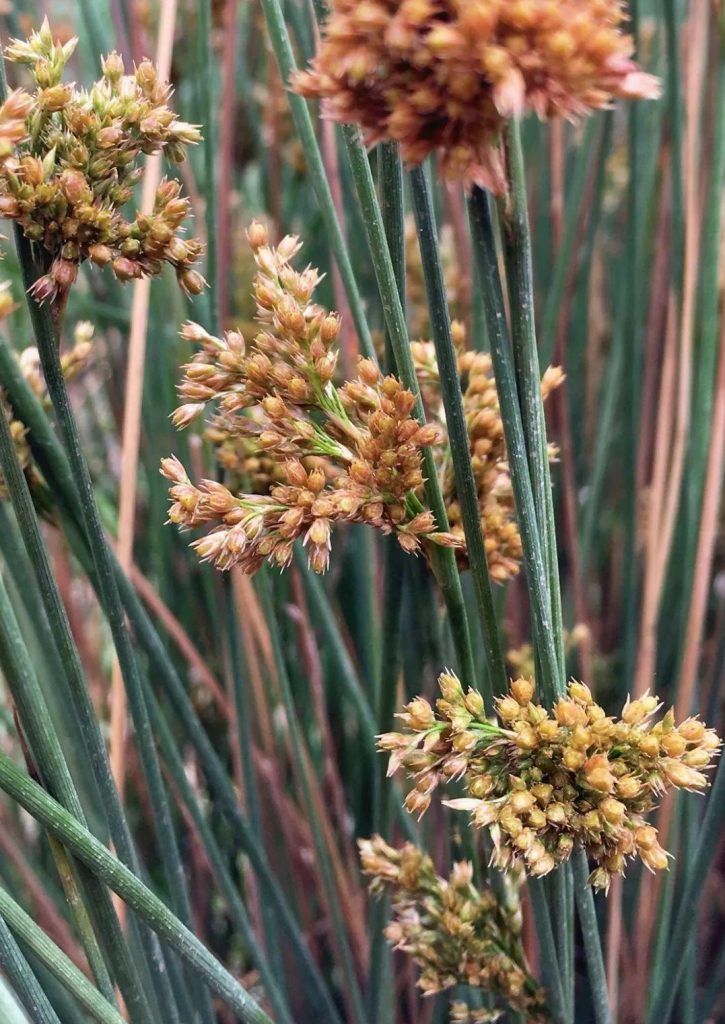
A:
686	914
139	898
444	560
516	236
486	261
380	976
206	87
279	37
590	935
547	951
324	863
519	272
23	980
56	961
459	441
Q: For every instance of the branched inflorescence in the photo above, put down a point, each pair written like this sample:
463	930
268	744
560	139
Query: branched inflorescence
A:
544	782
347	454
446	75
69	161
458	933
487	450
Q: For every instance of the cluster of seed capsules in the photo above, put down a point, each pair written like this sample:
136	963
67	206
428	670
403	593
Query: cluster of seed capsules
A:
69	161
544	782
489	459
457	932
446	75
344	454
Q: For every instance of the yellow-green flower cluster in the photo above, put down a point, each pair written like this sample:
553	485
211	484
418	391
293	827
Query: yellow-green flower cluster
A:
446	75
544	781
344	454
458	933
69	161
489	459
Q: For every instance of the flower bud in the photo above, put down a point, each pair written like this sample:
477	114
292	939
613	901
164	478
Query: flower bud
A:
522	690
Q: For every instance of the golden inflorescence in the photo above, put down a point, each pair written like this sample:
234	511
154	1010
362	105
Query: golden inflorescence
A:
446	75
69	161
457	932
301	454
344	454
544	782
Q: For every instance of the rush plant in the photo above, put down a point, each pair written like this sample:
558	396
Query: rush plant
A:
420	305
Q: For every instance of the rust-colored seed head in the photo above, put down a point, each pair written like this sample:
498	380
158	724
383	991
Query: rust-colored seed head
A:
446	75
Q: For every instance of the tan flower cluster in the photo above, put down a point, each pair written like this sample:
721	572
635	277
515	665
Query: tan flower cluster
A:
543	782
348	454
487	450
458	934
69	161
446	75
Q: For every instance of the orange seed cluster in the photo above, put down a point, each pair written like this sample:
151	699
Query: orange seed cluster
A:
446	75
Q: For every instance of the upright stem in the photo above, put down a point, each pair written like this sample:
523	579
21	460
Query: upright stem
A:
391	189
590	934
485	256
516	235
449	377
444	561
279	37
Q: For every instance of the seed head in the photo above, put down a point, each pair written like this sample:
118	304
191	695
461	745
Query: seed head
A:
439	75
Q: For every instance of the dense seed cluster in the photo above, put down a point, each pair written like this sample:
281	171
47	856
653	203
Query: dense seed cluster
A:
544	782
446	75
342	454
487	450
69	161
458	933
